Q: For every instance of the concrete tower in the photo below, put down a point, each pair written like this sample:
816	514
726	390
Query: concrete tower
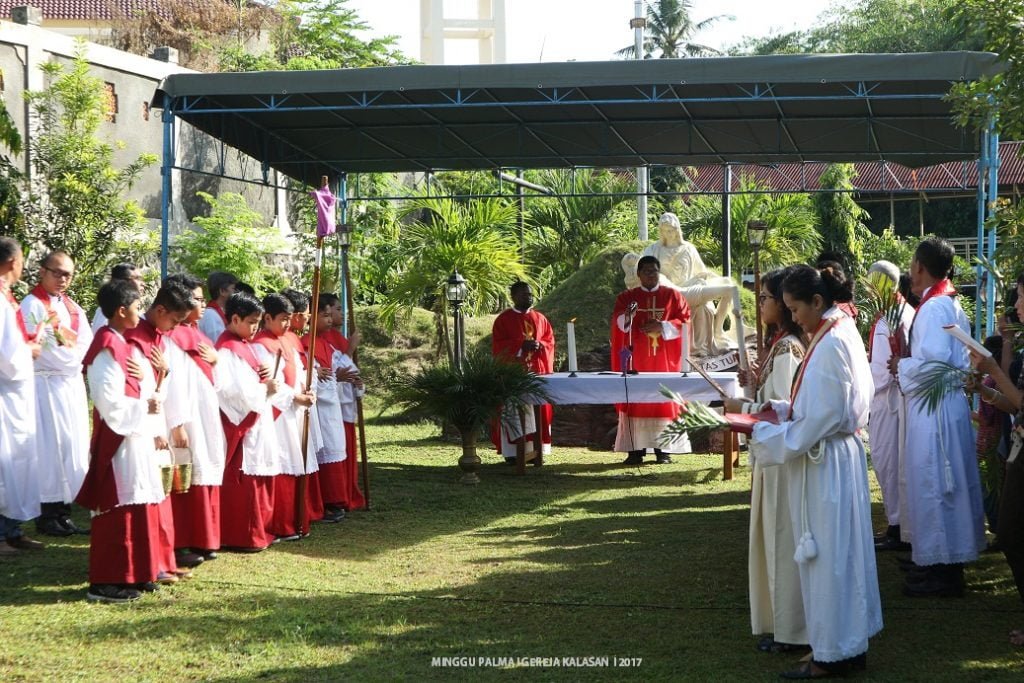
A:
487	28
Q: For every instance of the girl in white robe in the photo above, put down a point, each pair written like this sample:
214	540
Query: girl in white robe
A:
830	503
776	608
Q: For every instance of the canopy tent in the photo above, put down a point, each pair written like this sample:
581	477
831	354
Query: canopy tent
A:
678	112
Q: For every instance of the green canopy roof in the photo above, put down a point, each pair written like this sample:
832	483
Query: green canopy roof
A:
680	112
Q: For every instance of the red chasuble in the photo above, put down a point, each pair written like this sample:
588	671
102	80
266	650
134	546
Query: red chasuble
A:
511	329
650	353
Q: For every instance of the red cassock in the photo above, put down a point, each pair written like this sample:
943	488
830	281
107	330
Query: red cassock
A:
511	328
197	511
120	547
247	501
650	353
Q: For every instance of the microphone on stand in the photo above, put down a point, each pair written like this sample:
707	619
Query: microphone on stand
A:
626	359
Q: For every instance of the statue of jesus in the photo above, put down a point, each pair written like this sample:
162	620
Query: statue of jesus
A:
683	266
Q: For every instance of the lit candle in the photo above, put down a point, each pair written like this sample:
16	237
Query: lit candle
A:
571	342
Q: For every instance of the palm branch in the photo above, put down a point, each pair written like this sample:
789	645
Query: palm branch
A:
938	379
694	417
880	300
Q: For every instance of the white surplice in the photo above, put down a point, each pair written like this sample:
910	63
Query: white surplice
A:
19	486
888	410
347	392
830	503
136	462
775	603
241	392
62	408
192	402
327	412
944	500
98	320
288	425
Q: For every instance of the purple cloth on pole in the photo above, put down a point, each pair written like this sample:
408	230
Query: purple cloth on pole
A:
325	202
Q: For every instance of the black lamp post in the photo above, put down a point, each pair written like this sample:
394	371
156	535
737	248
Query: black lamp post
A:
455	291
757	231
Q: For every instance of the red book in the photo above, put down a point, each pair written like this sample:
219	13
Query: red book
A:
744	422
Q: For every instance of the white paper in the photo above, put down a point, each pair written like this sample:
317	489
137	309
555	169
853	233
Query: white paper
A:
967	340
571	342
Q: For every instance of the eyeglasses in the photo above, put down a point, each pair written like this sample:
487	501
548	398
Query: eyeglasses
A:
59	274
765	297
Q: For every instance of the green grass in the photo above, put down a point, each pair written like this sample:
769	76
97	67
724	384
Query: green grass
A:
579	558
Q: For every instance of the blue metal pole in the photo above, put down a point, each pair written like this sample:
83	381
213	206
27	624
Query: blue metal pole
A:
993	196
342	195
167	189
979	314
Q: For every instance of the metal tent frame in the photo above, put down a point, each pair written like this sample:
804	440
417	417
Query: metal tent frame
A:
682	112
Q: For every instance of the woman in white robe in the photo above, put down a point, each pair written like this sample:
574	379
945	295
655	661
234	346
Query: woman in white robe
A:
830	503
776	608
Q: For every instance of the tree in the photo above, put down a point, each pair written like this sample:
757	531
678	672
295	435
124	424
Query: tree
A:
670	32
11	218
841	218
569	230
232	239
76	201
874	26
792	237
475	238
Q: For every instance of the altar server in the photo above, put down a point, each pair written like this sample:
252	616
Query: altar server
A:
214	318
122	271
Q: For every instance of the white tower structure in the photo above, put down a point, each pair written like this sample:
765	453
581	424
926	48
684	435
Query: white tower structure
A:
487	28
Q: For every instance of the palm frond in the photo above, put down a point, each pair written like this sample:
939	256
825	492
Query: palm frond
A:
694	417
938	379
879	298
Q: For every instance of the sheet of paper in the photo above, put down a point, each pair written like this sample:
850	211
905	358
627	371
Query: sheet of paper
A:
966	339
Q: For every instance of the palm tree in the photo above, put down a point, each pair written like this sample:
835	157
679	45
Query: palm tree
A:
476	238
792	236
670	32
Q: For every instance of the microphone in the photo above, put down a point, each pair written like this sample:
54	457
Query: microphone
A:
632	307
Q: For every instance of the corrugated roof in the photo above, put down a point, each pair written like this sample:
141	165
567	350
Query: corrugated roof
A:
85	10
872	176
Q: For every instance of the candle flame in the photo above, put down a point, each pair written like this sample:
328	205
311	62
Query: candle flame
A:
573	321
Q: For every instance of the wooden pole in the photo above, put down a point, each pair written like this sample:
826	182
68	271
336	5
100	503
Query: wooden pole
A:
361	424
302	486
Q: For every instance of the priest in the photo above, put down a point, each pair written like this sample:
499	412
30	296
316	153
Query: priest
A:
523	335
647	326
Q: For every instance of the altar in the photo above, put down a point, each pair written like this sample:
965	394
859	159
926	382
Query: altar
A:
604	388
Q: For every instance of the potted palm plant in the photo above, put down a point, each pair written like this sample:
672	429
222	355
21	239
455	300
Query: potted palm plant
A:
468	397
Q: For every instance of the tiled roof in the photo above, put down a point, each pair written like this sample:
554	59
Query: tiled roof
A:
86	10
871	176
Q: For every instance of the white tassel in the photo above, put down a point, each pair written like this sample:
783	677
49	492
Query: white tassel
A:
948	471
798	556
810	546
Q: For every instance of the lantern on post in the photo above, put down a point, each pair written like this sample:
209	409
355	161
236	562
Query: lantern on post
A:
757	232
455	291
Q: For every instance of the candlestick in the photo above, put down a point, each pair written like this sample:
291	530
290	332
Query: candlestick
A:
684	361
571	342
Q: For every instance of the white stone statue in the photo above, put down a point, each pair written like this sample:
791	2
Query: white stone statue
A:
710	295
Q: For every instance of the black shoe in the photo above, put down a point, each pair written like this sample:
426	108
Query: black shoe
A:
662	459
332	515
888	543
290	537
906	564
187	559
147	587
510	461
634	458
51	526
207	554
108	592
25	543
70	525
933	587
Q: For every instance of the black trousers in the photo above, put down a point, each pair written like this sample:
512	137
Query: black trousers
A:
1011	521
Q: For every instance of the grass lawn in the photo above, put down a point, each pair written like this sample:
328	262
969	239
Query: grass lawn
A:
580	558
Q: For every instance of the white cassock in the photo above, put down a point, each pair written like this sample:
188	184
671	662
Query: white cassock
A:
327	411
775	603
888	416
347	392
62	408
19	488
944	501
136	463
288	425
212	324
240	392
192	402
829	497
